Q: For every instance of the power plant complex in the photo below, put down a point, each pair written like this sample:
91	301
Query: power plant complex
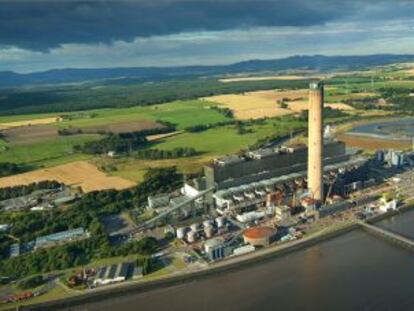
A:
250	200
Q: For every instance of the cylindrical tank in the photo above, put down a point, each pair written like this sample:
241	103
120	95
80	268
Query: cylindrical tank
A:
194	227
191	236
209	231
220	221
181	232
206	223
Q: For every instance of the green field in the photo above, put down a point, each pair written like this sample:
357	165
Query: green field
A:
24	117
212	143
48	152
181	113
3	144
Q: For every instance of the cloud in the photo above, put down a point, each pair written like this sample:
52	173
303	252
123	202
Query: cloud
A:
42	25
220	47
39	35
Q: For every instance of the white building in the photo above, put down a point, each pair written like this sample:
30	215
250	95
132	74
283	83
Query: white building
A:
387	206
282	212
113	274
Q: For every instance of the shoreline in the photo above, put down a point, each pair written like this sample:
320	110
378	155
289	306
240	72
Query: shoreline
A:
225	266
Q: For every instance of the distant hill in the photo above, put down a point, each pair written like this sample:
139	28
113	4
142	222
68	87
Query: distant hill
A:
316	62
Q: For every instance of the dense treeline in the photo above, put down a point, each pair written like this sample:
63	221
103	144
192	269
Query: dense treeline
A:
365	103
156	154
401	99
71	255
166	127
237	123
224	111
84	213
328	112
31	282
83	97
120	143
7	168
17	191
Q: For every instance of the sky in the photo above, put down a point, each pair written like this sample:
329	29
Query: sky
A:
40	35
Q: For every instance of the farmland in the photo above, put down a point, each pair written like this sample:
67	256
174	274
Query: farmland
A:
29	134
47	152
39	146
29	122
80	174
266	78
181	113
211	143
261	104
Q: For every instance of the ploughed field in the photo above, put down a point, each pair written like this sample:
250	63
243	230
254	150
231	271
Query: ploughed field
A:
80	173
28	134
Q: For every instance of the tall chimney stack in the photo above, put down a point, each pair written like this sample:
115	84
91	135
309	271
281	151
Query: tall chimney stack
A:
315	143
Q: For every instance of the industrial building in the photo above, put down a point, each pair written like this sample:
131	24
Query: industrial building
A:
283	187
280	161
50	240
392	158
117	273
217	248
268	187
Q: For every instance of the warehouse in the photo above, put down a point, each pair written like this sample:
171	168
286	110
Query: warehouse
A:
60	237
114	274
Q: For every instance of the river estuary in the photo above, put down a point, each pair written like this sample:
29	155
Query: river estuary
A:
355	271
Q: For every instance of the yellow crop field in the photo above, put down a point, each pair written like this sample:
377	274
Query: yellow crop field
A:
255	105
298	106
263	78
411	71
260	104
49	120
80	173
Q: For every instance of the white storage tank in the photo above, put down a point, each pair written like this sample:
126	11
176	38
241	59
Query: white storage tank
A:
191	236
194	227
181	232
209	231
206	223
220	221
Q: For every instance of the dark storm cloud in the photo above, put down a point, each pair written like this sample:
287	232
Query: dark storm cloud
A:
40	25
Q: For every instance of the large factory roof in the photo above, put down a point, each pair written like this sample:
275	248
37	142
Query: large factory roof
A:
227	193
59	237
258	232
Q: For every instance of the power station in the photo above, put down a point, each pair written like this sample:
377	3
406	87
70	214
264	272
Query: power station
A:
315	141
250	199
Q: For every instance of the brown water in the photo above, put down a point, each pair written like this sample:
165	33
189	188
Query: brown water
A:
352	272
